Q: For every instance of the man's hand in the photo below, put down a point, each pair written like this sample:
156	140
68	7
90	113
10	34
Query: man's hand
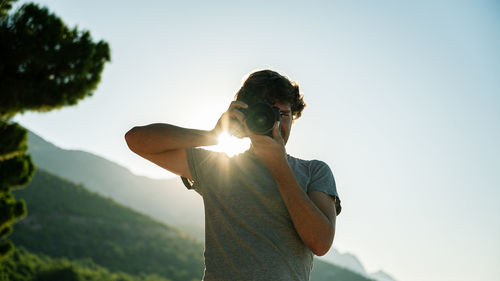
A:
270	151
232	121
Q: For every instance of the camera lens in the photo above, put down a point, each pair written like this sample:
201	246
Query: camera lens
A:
260	118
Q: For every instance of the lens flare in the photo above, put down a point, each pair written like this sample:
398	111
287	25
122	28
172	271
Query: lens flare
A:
231	145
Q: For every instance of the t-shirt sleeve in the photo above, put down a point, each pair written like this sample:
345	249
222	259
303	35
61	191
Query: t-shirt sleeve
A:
322	180
201	163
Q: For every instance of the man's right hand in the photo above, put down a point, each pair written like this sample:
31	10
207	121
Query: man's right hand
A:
232	121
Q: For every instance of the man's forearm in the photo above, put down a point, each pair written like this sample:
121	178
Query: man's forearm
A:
313	227
158	137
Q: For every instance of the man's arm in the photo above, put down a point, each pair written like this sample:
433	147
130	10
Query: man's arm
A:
313	215
165	145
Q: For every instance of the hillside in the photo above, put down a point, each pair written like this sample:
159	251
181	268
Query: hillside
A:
25	266
66	220
351	262
165	200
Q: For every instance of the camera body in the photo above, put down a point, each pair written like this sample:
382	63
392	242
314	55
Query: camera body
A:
260	117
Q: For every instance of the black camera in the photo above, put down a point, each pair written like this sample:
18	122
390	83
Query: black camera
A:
260	117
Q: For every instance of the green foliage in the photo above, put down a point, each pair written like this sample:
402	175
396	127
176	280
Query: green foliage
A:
69	221
10	210
45	64
13	141
25	266
6	248
16	169
15	172
5	231
5	6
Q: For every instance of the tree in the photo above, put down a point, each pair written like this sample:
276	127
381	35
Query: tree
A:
45	65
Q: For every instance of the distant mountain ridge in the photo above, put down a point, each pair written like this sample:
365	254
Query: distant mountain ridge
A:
351	262
165	200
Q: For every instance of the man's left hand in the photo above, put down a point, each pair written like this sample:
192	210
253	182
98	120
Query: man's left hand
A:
270	151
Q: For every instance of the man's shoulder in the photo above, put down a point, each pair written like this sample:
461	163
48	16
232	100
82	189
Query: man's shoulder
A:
312	163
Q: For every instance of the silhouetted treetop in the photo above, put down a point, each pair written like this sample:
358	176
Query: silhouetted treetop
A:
45	64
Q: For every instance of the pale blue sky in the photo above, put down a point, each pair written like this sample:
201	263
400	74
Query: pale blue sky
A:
403	104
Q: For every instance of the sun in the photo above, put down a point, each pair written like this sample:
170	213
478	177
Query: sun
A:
231	145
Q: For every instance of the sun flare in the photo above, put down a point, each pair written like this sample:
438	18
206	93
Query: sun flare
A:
231	145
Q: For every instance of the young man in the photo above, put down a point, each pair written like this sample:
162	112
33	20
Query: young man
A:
266	212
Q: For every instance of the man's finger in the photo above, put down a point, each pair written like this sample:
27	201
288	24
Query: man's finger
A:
235	127
276	131
237	104
236	114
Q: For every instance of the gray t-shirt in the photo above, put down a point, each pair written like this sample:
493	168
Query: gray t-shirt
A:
249	234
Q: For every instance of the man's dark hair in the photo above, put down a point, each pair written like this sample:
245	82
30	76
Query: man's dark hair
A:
272	86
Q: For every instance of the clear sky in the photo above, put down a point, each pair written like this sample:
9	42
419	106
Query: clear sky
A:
403	103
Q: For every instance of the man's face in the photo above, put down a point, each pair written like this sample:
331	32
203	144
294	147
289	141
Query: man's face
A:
286	119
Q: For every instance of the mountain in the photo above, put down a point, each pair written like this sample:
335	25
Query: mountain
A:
324	271
351	262
67	220
345	260
381	276
166	200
